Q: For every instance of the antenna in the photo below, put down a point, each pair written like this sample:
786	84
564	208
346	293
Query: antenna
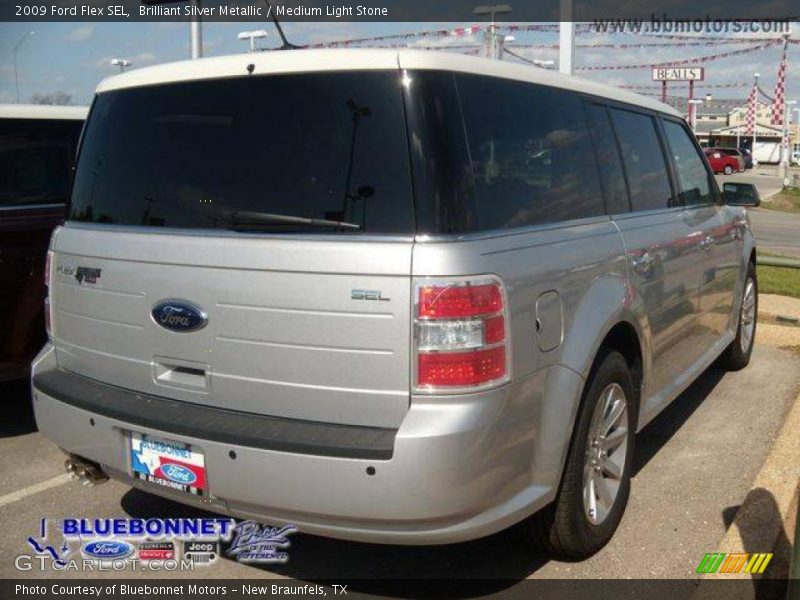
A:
287	45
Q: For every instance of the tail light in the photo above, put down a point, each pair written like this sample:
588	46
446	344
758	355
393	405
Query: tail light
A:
461	334
48	320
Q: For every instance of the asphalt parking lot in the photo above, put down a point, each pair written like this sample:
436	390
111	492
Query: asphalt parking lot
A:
694	465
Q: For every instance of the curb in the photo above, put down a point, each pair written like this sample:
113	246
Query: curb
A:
778	319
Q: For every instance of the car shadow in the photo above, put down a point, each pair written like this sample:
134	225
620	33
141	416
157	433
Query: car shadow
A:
17	409
661	429
761	529
490	564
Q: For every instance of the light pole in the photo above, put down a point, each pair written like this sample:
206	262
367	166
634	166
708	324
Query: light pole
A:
566	38
16	49
693	104
252	36
797	133
785	140
121	63
755	118
493	47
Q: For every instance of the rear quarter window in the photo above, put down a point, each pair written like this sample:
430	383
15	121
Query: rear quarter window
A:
530	153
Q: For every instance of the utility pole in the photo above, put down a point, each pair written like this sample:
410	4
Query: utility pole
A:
693	104
493	45
566	38
755	118
797	132
195	25
196	32
16	49
785	140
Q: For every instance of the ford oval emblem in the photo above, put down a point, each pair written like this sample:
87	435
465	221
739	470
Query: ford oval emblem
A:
178	473
179	315
107	549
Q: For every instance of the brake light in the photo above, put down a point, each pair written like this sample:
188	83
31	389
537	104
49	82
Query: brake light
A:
48	320
461	338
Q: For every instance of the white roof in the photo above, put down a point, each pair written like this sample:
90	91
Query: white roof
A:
304	61
43	111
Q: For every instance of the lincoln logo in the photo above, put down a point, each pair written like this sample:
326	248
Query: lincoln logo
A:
179	315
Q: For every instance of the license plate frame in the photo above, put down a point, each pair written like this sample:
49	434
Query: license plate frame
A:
167	463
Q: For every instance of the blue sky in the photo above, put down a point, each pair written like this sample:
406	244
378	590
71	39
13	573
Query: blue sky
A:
74	57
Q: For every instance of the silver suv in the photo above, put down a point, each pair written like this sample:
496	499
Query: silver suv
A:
397	297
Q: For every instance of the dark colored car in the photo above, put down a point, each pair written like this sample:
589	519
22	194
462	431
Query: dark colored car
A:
724	162
37	148
747	158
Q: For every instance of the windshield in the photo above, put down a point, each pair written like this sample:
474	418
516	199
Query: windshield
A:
321	152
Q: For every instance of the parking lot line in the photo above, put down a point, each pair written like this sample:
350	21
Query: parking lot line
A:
33	489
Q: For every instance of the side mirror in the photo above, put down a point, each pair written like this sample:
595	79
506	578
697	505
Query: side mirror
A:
740	194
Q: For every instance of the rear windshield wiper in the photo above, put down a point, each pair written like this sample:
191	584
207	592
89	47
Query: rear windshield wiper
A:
252	217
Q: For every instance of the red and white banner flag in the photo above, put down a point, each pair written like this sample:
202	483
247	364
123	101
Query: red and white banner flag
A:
752	107
779	97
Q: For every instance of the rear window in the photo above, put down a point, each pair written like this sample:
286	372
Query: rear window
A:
35	160
288	153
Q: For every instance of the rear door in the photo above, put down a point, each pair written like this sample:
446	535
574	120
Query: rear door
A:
661	247
279	209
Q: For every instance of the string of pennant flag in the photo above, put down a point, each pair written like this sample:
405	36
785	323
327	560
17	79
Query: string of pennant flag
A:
754	44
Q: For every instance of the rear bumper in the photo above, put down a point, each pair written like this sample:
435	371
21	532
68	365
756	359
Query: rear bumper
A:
459	467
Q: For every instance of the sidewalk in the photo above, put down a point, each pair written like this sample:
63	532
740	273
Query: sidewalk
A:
765	520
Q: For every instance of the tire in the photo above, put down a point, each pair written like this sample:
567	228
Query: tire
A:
565	528
728	170
737	355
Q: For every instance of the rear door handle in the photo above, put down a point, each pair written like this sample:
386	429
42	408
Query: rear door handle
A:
642	264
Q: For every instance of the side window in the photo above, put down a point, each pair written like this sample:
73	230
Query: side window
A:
35	161
693	177
643	158
531	155
608	162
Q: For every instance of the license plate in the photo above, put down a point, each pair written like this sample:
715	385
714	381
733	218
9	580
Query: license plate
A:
169	464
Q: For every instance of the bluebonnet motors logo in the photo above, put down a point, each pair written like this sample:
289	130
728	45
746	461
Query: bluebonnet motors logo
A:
105	544
257	543
151	544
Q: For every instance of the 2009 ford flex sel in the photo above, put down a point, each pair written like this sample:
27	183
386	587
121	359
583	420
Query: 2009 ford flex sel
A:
400	297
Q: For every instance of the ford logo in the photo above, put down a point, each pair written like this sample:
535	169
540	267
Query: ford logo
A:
107	549
179	315
178	473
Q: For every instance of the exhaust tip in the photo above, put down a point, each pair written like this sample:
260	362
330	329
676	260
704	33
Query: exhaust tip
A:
85	471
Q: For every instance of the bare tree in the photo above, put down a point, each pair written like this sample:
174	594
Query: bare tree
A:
59	98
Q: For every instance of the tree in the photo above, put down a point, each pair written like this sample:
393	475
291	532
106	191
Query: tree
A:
60	98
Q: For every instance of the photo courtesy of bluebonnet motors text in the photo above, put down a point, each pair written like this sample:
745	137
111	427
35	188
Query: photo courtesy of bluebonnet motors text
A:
400	300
